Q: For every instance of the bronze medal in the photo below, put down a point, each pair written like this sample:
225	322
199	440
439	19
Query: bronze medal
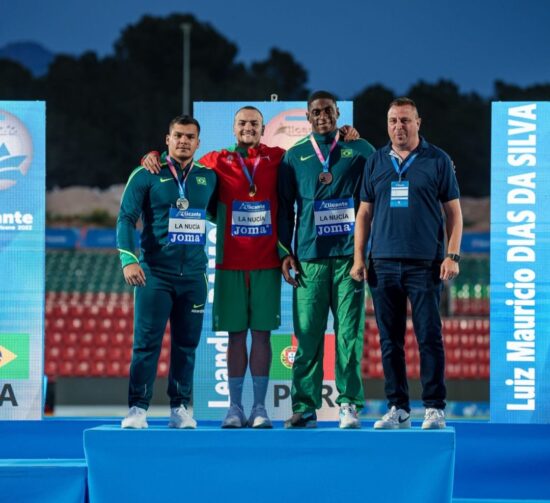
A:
182	203
252	190
325	178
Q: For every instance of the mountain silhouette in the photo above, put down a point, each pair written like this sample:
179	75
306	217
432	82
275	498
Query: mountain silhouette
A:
35	57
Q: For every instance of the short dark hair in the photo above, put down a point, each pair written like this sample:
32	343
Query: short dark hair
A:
184	120
320	95
250	107
403	101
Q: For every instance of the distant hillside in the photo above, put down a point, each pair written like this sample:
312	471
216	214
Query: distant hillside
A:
31	55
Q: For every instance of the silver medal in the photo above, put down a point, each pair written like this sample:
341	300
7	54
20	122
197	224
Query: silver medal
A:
182	204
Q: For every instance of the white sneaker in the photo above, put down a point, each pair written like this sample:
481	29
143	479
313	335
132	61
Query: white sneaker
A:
181	418
235	418
434	419
135	419
259	418
394	419
348	416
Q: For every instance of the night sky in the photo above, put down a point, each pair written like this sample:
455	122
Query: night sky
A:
344	46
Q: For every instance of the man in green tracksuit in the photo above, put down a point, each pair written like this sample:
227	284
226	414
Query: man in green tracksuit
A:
169	274
322	175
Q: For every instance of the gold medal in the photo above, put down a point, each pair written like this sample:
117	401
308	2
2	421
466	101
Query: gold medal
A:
252	190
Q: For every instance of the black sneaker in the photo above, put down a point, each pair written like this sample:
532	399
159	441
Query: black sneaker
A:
302	420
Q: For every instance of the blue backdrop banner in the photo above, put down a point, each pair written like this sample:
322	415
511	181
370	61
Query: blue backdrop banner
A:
520	254
22	224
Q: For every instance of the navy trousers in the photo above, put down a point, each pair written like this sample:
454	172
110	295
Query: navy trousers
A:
182	300
391	282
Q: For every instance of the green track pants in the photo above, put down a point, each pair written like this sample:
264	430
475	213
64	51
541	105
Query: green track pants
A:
326	284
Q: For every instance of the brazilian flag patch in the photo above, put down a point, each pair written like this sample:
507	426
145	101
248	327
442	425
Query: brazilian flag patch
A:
201	180
14	356
347	152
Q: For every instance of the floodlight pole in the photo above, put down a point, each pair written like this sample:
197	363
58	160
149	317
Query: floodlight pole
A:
186	29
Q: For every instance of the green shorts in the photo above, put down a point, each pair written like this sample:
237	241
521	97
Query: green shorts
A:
247	299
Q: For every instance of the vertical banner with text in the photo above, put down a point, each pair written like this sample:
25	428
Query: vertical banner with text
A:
22	224
285	124
520	255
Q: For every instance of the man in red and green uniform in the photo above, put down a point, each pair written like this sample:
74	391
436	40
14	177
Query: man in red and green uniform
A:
322	176
247	293
169	274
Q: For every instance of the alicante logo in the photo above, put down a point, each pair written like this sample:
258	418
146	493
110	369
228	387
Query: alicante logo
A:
15	150
14	356
287	356
286	128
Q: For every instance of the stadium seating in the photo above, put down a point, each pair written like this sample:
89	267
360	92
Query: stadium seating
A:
84	271
469	292
89	316
91	335
466	348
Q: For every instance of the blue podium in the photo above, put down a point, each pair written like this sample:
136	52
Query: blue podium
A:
322	465
44	480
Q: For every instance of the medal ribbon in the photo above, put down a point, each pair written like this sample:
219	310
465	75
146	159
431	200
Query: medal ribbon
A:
249	177
400	170
324	162
181	186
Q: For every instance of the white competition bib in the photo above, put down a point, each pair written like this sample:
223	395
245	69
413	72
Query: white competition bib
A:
187	227
334	217
251	218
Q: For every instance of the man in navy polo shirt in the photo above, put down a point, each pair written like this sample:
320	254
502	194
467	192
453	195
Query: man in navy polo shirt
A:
404	187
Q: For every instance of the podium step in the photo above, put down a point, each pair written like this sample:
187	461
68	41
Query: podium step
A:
43	480
269	466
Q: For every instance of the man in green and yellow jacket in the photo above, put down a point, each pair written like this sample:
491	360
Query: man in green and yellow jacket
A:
169	275
321	175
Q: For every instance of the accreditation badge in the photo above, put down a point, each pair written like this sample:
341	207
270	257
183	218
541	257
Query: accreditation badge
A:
399	196
251	219
187	227
334	217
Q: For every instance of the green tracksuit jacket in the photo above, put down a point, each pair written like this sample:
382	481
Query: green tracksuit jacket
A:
151	196
299	183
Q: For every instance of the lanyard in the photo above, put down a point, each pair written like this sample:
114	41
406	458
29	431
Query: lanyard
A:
400	170
324	162
181	186
245	169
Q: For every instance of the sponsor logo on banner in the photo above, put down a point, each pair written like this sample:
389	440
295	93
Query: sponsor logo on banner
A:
15	150
286	128
14	356
15	159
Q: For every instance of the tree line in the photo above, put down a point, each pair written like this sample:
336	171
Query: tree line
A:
102	113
